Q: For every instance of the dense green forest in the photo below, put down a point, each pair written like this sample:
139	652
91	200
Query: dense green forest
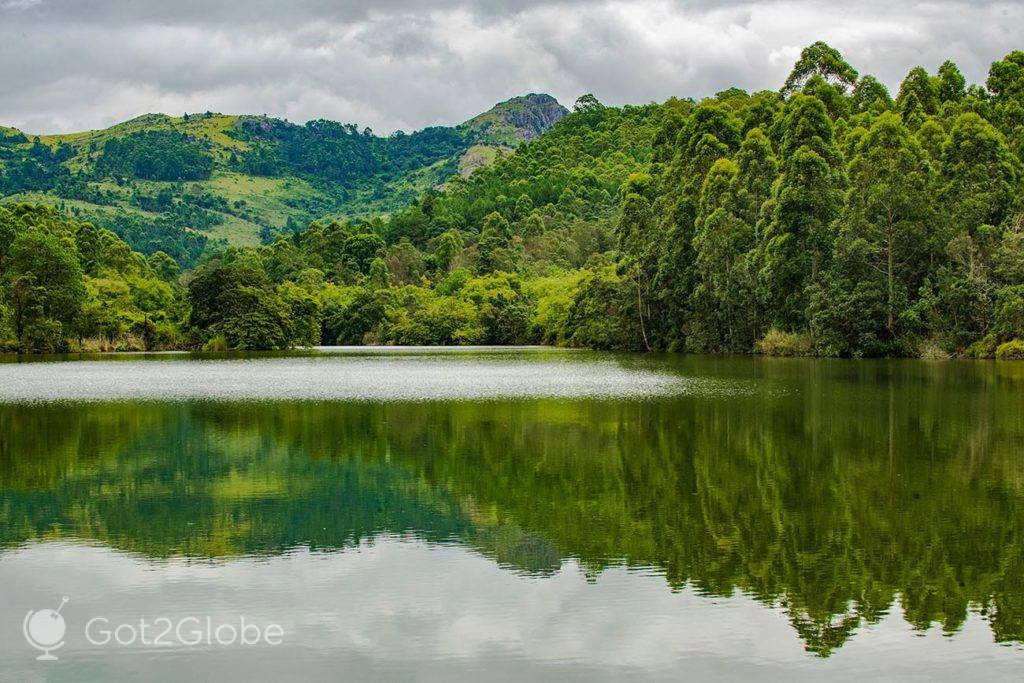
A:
827	218
70	285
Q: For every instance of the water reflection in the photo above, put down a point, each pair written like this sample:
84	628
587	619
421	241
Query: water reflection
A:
834	493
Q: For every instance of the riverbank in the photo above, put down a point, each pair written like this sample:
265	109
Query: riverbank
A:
775	345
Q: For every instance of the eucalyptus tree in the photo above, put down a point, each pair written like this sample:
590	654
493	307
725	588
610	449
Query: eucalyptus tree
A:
889	207
823	60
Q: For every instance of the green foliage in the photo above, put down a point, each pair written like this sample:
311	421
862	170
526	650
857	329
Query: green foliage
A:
888	211
870	94
155	155
869	226
1011	350
919	95
32	167
164	267
233	298
46	289
603	312
952	86
572	172
62	283
820	59
504	309
779	343
823	218
1008	322
187	185
981	174
1006	77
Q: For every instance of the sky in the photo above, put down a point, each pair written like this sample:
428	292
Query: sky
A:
68	65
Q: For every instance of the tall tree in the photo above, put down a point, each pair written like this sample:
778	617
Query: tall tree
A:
758	169
805	204
710	133
638	246
724	314
48	288
918	97
889	208
980	174
952	85
798	236
823	60
1006	77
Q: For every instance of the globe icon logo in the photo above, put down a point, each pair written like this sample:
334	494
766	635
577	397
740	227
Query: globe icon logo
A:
44	630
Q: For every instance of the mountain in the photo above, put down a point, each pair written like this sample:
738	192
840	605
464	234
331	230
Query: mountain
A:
520	119
179	184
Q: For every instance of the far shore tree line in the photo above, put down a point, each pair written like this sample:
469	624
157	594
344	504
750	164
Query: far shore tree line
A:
827	218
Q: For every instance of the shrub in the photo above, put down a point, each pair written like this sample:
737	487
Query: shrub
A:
216	343
983	348
930	349
43	335
1011	350
104	344
1009	313
779	343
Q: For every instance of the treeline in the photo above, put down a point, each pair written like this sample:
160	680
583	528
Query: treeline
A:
497	258
340	152
831	219
71	286
155	155
827	218
341	284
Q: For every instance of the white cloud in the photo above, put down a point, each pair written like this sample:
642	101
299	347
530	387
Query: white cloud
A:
21	4
410	63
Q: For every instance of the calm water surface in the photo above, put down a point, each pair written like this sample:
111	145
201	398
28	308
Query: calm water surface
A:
517	515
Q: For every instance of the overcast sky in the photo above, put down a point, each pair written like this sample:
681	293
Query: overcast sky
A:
403	64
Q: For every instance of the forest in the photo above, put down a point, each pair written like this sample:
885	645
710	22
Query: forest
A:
826	218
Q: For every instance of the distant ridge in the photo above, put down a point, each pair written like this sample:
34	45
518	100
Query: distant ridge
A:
174	182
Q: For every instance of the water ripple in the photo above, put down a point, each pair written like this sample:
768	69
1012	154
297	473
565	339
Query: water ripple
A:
342	377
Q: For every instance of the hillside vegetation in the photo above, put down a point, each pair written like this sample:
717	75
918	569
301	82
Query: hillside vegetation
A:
202	182
825	218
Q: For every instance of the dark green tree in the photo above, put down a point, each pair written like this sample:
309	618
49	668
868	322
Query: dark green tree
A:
870	94
47	287
980	175
889	209
952	85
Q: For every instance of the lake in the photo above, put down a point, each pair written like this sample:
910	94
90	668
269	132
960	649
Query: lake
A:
511	514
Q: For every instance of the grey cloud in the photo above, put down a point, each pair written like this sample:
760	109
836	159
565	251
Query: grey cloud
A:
389	64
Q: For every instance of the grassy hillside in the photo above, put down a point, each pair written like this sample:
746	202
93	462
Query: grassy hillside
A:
185	184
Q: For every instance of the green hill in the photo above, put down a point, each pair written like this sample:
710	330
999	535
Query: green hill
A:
181	184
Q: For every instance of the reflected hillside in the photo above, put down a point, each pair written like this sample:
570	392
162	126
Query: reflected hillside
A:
830	489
